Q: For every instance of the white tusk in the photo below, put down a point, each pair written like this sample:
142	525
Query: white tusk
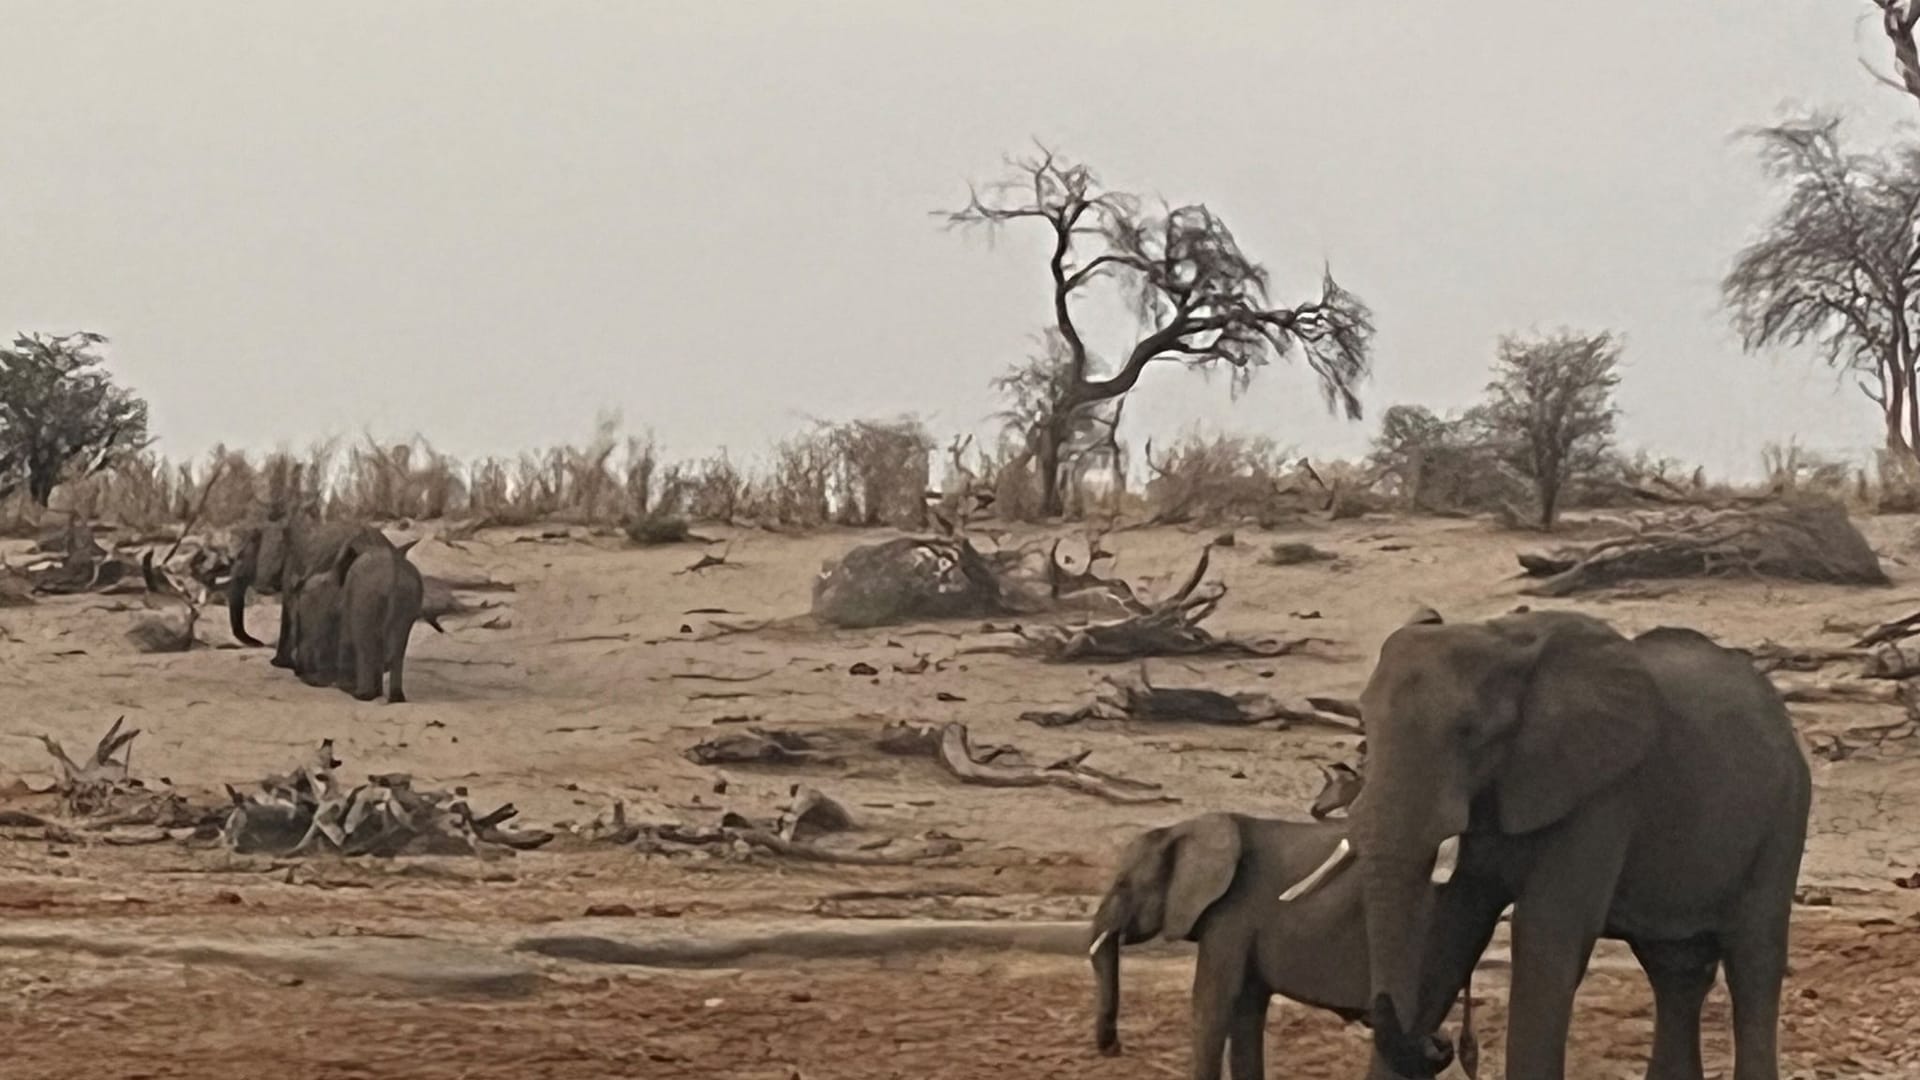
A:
1446	860
1097	942
1341	853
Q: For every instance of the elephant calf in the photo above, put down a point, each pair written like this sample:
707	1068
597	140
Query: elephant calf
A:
1217	879
380	597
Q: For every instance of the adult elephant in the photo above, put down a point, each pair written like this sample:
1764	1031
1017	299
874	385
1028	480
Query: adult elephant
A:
1650	790
275	557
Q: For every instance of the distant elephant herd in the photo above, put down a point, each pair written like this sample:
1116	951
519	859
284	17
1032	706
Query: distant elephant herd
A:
348	600
1649	790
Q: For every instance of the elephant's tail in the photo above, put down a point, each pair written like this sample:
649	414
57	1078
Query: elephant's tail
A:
433	621
1105	954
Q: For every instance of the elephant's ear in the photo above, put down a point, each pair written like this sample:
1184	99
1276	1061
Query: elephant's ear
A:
1206	852
1589	714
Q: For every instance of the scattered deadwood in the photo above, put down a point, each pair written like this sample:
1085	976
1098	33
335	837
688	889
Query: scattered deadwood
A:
708	561
1845	691
1886	633
765	746
810	815
100	793
949	745
1140	700
308	811
1802	539
1769	657
1170	627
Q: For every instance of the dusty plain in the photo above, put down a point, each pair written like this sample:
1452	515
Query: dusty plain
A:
169	960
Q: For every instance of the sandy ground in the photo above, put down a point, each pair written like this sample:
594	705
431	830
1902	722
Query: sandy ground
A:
588	691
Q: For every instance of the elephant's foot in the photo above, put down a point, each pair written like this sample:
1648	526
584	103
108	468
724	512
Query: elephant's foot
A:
314	678
396	698
366	695
281	661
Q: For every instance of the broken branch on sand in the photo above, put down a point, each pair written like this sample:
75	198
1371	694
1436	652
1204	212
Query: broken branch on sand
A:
1168	627
950	746
1803	539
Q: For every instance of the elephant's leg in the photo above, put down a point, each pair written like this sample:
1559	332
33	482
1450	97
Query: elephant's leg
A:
1218	975
368	659
1755	953
1247	1035
283	647
1556	919
1682	975
397	668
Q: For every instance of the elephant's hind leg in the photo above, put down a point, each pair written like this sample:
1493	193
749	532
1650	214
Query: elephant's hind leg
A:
1755	954
397	669
1682	975
1247	1036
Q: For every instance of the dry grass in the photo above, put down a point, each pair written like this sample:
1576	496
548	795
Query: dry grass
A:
862	473
870	473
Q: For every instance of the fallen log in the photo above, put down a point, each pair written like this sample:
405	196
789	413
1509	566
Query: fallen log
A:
1802	539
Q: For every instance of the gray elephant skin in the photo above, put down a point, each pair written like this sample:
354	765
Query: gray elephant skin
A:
316	630
275	557
1217	879
1650	790
380	596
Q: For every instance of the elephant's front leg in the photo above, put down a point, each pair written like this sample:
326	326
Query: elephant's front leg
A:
1247	1035
1218	974
1556	919
283	647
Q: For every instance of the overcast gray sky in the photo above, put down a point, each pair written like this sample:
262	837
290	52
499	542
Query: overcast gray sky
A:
487	222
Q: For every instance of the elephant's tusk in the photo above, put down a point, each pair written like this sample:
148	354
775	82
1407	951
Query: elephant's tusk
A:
1342	852
1097	942
1446	860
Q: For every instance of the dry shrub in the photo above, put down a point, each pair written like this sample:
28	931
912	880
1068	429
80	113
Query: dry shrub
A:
1793	469
1222	478
1442	465
1897	483
881	470
714	490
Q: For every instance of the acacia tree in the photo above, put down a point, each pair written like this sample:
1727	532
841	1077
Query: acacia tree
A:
60	411
1549	413
1838	266
1197	298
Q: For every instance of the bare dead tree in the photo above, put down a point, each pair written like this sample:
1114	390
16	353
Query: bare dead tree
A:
1838	266
1198	299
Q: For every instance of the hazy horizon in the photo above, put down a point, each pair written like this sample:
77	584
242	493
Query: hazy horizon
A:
489	223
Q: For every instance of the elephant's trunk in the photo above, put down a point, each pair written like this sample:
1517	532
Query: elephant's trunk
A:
1396	895
236	610
1106	972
